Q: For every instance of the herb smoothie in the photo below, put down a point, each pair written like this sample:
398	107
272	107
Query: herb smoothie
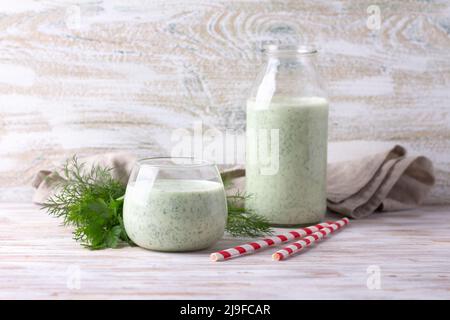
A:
175	215
294	193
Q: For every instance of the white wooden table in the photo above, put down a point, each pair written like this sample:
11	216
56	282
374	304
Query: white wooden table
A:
410	249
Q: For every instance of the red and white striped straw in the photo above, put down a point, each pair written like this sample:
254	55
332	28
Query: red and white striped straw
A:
251	247
309	240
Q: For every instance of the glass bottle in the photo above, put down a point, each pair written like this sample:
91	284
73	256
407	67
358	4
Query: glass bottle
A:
287	128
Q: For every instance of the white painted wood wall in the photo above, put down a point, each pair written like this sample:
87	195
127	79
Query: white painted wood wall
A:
122	75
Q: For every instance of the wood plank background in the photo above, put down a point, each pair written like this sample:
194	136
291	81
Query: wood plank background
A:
122	75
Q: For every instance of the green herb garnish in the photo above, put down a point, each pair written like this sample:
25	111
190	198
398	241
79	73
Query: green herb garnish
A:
92	202
244	222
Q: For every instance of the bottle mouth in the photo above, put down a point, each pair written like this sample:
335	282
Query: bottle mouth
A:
274	49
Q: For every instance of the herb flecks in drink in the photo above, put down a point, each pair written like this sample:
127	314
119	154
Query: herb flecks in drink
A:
91	201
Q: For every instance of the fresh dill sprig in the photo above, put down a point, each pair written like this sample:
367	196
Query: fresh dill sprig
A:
243	221
92	202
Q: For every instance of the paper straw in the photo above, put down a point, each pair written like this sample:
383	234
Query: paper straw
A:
309	240
251	247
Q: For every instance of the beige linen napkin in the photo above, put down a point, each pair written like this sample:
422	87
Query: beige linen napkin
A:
46	182
384	181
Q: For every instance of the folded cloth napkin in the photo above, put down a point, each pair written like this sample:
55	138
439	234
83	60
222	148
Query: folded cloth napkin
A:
46	182
384	181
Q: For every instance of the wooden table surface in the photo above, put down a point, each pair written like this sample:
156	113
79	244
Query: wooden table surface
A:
408	252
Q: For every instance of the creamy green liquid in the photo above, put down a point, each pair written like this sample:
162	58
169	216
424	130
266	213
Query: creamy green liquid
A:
296	193
175	215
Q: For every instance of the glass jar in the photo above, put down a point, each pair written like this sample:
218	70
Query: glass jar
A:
287	127
175	204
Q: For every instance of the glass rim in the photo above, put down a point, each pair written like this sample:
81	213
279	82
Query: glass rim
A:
290	49
153	162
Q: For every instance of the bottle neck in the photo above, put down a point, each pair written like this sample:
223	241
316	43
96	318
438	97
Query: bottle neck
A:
296	65
288	72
